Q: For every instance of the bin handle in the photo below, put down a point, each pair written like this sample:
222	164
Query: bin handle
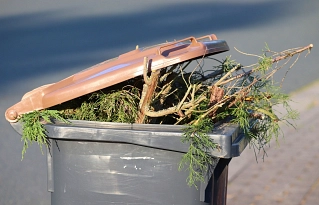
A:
192	39
211	37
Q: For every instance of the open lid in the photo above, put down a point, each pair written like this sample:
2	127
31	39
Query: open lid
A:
111	72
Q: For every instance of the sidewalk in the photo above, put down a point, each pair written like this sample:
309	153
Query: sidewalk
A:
290	172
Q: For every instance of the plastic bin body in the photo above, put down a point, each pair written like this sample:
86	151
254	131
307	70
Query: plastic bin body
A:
104	173
115	163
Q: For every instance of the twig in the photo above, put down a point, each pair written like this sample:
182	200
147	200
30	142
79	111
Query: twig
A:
247	54
184	98
274	60
283	79
148	91
226	75
173	109
279	58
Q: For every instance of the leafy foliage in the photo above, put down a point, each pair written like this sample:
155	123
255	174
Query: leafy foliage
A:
114	106
33	128
198	158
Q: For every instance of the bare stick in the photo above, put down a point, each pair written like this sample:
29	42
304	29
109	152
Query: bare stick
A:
148	91
173	109
279	58
145	71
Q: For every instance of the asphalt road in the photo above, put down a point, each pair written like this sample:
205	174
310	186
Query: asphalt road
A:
42	42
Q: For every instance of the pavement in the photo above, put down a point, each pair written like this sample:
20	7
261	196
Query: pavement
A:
289	174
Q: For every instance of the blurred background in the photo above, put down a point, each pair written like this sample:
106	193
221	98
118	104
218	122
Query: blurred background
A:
44	41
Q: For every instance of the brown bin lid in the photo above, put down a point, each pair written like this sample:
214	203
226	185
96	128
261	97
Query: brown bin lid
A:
110	72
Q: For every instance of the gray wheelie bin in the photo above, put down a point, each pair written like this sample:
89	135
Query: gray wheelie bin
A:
100	163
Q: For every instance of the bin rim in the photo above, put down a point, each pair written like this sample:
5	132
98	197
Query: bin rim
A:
168	137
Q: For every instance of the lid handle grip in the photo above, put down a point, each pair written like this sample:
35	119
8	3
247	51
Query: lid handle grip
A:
211	37
192	39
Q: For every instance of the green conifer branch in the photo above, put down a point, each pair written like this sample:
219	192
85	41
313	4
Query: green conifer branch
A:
33	128
198	158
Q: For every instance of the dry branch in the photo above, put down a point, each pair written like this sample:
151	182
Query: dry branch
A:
218	98
148	91
274	60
